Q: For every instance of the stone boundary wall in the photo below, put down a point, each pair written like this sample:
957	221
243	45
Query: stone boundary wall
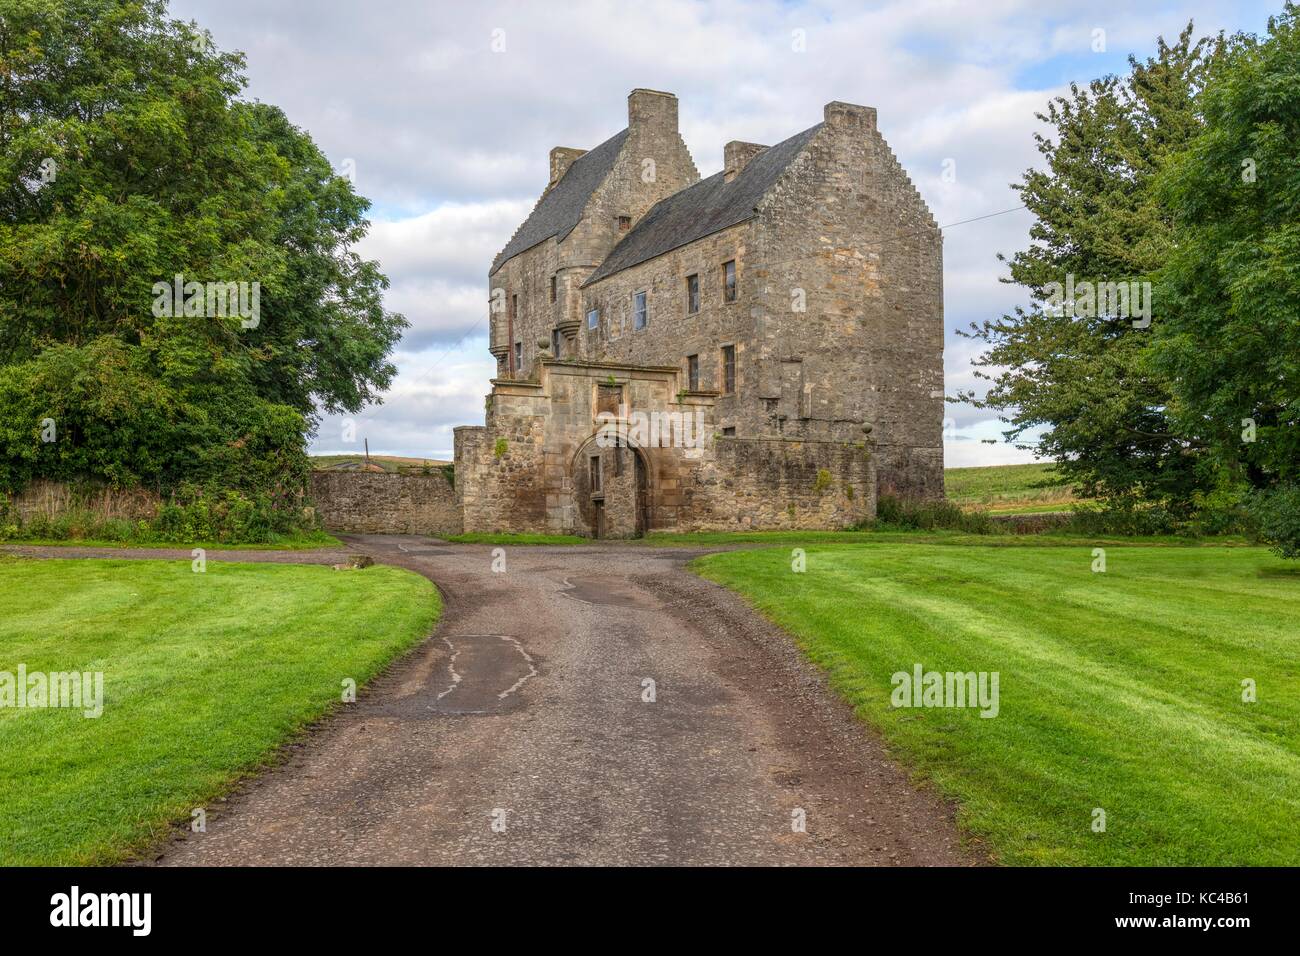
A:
368	502
770	484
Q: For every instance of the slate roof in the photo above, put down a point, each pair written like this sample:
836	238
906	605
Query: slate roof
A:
702	209
557	212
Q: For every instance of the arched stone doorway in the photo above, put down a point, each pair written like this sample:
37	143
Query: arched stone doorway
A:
612	489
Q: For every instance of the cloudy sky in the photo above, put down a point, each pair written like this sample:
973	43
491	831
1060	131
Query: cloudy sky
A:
445	113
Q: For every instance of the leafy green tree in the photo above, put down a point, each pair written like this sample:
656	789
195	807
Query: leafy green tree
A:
1082	390
1228	336
129	157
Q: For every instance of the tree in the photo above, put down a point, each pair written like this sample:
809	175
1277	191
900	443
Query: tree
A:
1085	382
1229	332
128	158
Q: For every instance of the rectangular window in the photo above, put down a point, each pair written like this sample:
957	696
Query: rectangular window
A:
693	372
729	432
729	281
728	369
692	294
624	223
608	399
640	312
519	356
595	474
554	288
556	342
593	318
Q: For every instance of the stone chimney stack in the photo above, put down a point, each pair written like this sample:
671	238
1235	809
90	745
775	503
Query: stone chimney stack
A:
850	115
651	111
562	158
736	156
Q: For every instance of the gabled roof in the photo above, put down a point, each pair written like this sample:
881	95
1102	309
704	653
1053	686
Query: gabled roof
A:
708	206
559	210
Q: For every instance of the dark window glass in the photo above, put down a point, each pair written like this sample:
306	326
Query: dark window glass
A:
728	369
693	372
692	294
729	281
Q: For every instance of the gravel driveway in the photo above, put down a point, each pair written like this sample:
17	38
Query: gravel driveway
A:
585	705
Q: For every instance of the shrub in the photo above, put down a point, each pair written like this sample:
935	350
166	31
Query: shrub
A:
1213	514
1123	517
913	514
1276	512
193	513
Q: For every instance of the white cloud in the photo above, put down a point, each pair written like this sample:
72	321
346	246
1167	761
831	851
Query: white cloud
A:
450	139
437	264
435	391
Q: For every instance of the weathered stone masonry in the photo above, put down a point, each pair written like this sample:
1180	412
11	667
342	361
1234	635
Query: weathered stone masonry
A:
530	467
819	372
379	502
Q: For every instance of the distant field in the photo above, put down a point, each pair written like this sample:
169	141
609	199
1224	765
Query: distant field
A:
1007	489
384	462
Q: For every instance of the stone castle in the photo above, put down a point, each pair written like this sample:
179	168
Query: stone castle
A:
759	349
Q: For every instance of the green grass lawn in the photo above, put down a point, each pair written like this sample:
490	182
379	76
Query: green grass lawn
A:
482	537
695	539
711	539
313	541
1007	489
1118	690
204	676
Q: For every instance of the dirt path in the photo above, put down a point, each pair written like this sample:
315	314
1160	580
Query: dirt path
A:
521	732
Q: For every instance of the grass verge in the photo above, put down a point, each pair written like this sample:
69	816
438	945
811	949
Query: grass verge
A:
1119	691
204	677
479	537
316	541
